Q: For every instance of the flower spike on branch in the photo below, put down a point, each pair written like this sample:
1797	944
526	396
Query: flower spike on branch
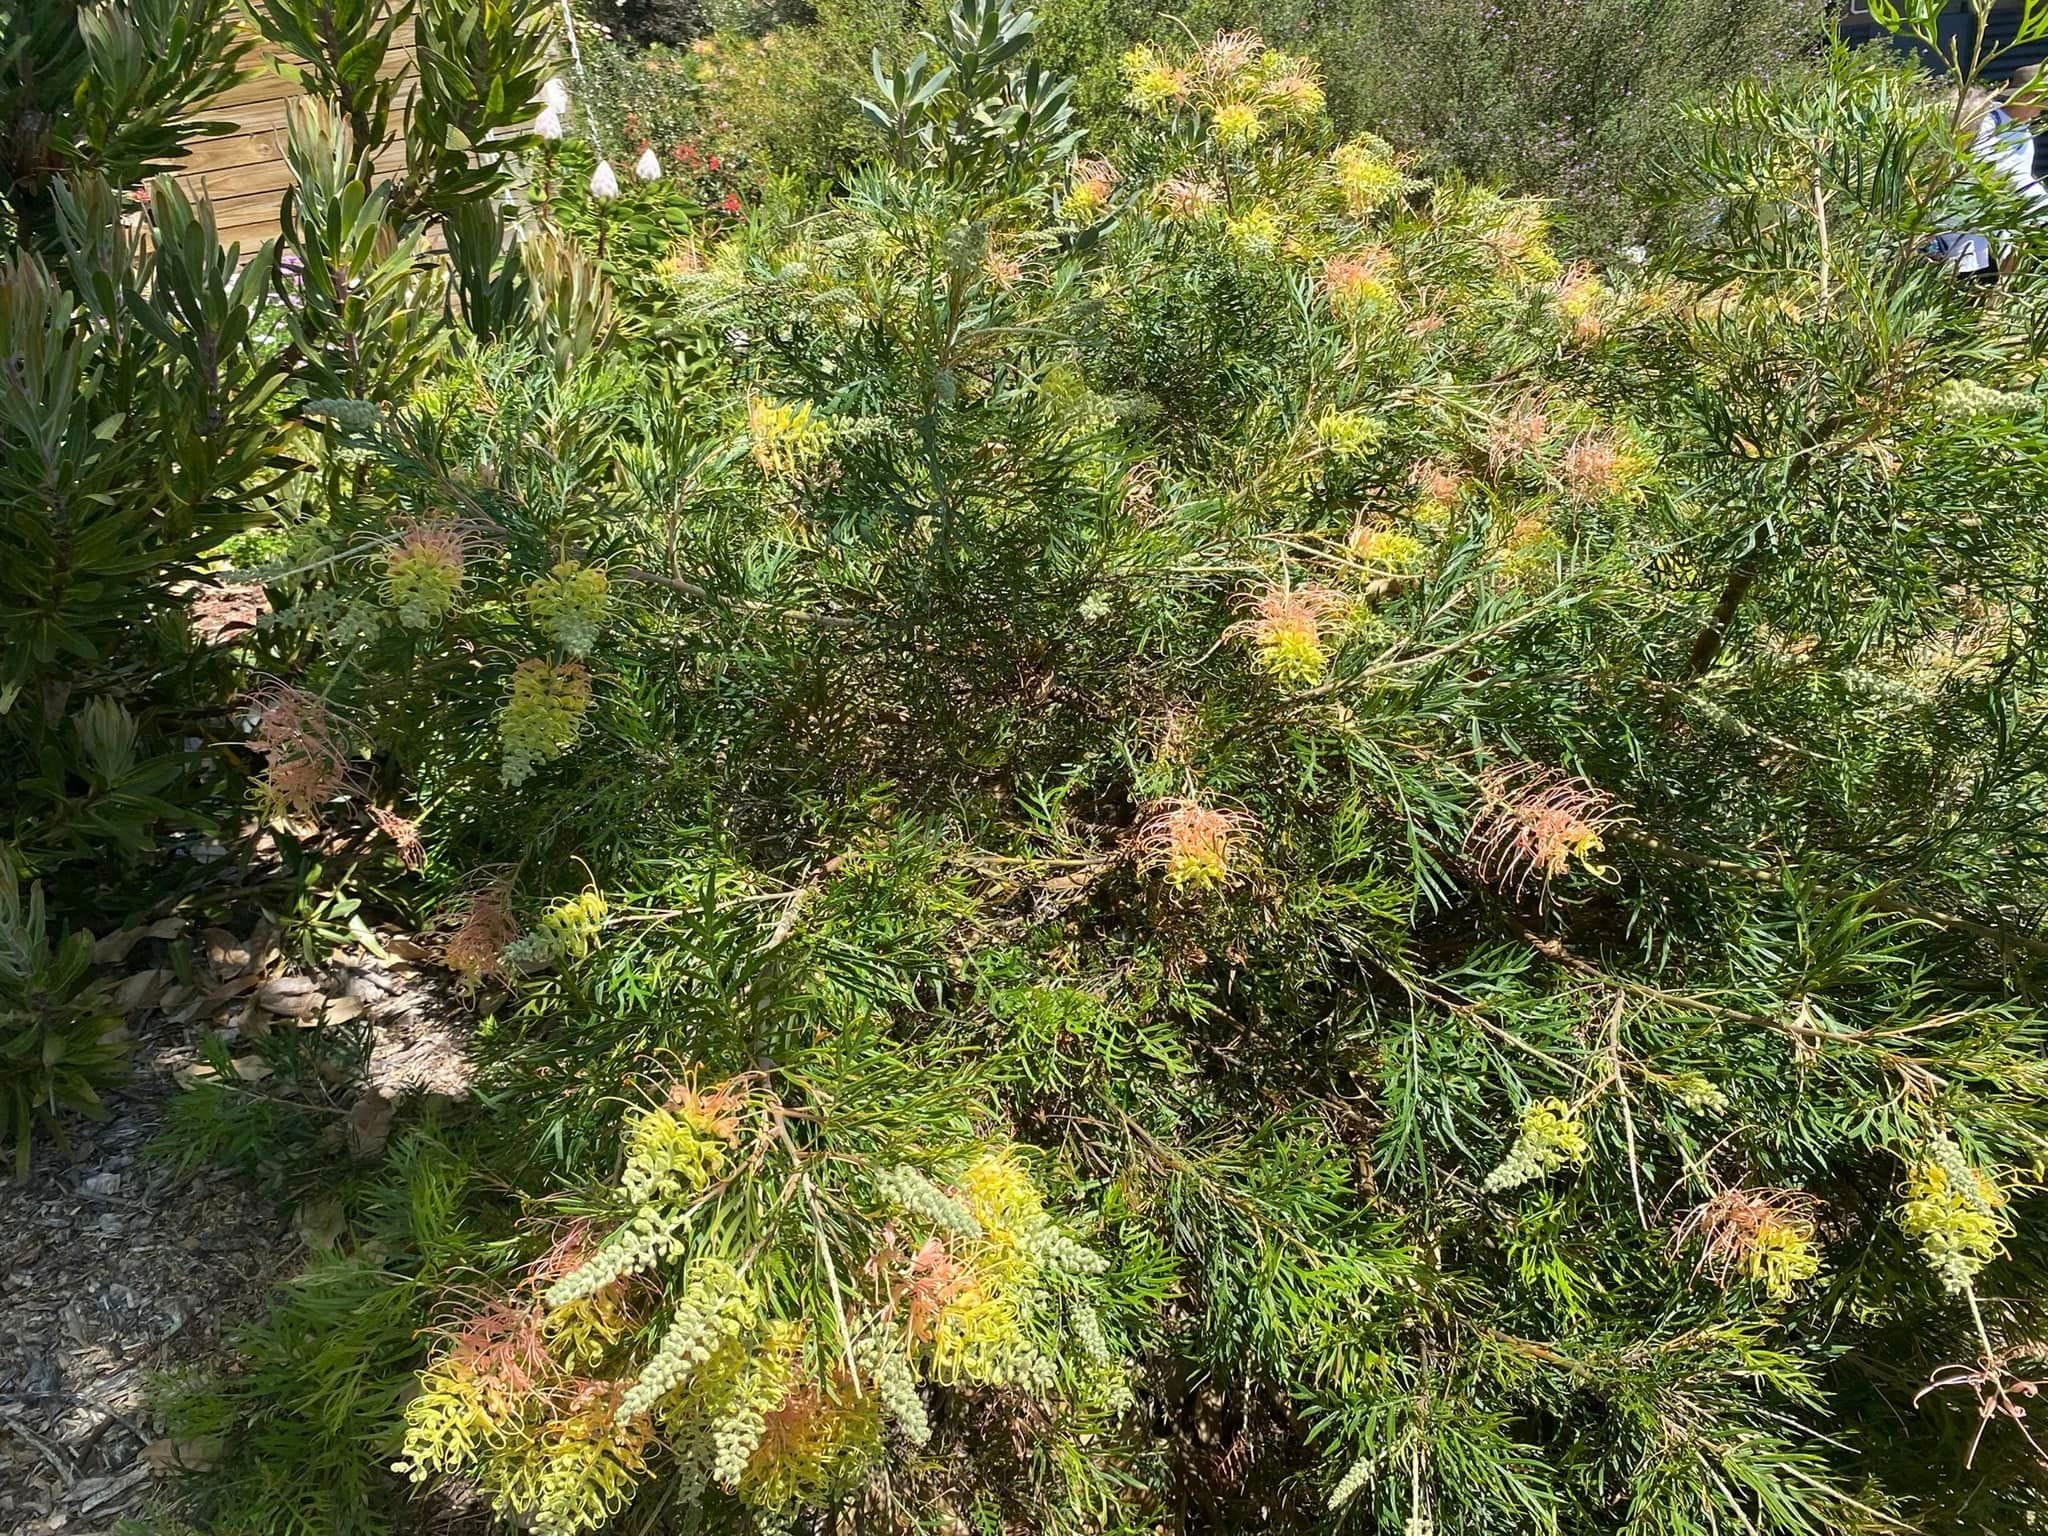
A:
1290	631
1194	845
307	764
1760	1235
1534	823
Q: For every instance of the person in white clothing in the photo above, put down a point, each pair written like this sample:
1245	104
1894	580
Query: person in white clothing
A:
2003	141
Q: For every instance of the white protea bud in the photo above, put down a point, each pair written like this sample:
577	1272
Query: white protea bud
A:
547	124
604	182
647	167
555	96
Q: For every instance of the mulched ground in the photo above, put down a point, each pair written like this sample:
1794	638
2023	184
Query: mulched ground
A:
114	1268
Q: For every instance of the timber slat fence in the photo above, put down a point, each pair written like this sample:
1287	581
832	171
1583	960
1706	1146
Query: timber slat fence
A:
244	172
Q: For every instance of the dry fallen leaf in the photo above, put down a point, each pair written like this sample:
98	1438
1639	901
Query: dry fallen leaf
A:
142	989
343	1010
228	955
112	948
295	997
321	1223
369	1123
195	1453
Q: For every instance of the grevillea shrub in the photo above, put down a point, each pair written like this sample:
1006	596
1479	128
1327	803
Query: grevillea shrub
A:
1185	837
706	1337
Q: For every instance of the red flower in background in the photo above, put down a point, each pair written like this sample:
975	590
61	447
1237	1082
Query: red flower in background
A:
731	203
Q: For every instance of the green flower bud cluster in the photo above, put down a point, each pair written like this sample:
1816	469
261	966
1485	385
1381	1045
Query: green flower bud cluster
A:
349	415
647	1239
716	1306
737	1431
1352	1480
1876	685
1966	397
1551	1138
1699	1093
541	718
910	1191
569	604
1058	1253
896	1385
1087	1326
528	953
1034	1371
357	623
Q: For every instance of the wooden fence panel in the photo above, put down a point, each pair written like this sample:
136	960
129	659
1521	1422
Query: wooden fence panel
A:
243	173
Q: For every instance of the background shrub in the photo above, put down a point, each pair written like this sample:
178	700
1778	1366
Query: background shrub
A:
1579	101
1576	101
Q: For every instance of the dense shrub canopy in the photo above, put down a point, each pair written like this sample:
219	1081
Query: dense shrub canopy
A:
1578	101
1170	835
